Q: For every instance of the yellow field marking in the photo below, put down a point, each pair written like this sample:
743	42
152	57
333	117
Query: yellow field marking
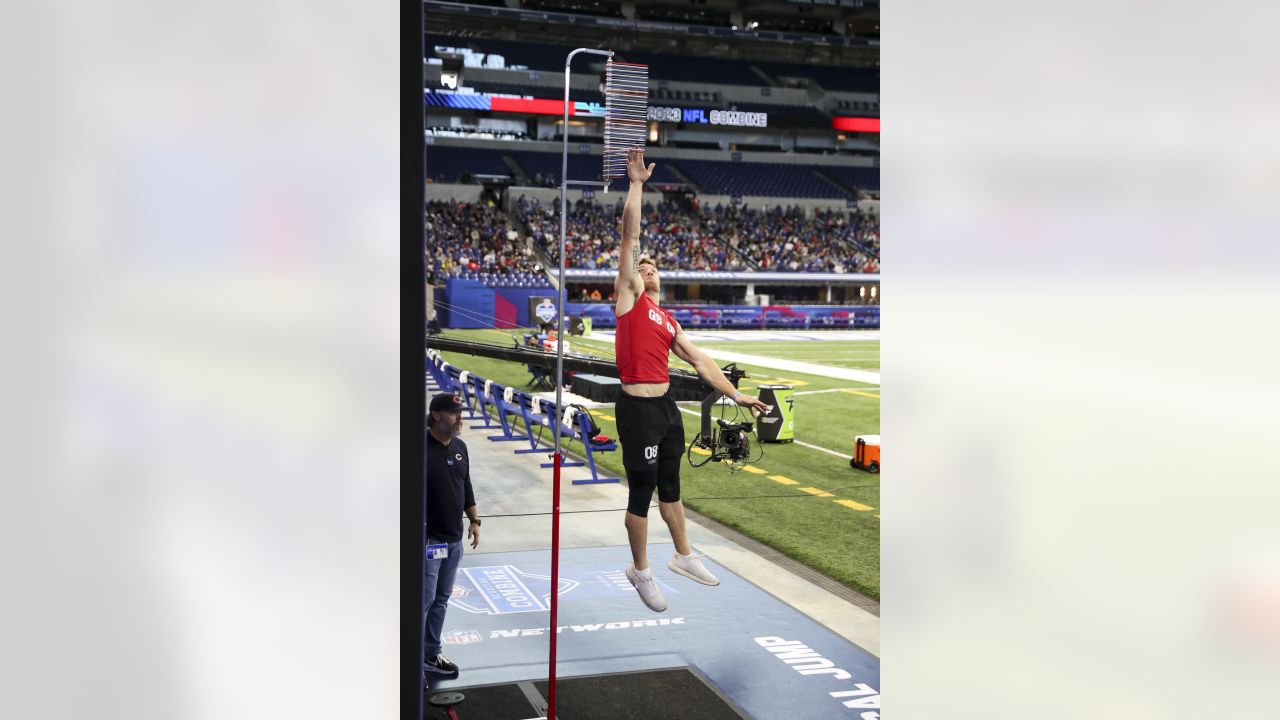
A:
788	381
853	505
816	491
859	392
606	417
700	451
783	479
754	469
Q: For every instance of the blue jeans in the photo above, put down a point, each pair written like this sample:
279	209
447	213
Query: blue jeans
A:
437	586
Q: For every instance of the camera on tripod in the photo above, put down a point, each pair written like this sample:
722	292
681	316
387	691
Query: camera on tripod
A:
727	442
734	440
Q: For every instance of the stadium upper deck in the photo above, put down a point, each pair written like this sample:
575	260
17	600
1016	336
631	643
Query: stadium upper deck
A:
459	163
727	92
670	66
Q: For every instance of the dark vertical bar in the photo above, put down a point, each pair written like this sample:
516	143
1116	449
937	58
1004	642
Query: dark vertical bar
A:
413	354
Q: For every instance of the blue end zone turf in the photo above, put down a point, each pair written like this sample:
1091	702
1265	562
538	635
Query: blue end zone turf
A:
769	658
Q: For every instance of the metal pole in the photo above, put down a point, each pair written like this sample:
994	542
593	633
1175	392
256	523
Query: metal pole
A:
559	380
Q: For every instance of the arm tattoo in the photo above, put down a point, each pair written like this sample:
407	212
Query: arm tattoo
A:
635	259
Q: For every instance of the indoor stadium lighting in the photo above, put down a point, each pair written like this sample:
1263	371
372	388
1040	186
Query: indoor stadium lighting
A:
862	291
873	292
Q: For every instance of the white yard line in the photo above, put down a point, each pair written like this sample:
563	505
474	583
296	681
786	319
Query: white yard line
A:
829	452
863	376
819	392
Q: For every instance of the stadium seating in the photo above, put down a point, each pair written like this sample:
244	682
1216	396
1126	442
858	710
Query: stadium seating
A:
860	80
581	167
477	239
750	178
698	70
595	7
858	107
859	178
538	56
780	239
535	56
448	162
706	99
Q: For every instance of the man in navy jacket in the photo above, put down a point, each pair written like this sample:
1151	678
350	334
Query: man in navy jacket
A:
449	495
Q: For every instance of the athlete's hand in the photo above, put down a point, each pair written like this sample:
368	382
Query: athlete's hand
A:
636	171
473	533
754	403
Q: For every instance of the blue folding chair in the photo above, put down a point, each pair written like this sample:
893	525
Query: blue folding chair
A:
583	423
530	410
507	400
483	389
462	385
434	361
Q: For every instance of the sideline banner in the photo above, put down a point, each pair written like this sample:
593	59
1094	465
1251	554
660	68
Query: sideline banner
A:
780	424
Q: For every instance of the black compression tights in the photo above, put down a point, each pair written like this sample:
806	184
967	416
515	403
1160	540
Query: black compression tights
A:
642	482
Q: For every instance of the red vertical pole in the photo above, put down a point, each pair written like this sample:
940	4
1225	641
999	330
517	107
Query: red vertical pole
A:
555	585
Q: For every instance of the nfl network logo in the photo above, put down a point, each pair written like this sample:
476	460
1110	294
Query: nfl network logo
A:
461	637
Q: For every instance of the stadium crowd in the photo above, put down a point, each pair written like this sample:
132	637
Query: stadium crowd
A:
778	239
481	237
477	237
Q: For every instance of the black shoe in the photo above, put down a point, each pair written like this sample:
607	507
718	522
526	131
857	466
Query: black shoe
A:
440	665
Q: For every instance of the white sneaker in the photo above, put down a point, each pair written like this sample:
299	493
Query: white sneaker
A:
648	588
692	568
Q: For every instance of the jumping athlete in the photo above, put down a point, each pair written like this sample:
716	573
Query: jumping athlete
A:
649	424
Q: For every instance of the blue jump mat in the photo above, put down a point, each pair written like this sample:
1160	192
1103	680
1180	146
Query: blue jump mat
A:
772	660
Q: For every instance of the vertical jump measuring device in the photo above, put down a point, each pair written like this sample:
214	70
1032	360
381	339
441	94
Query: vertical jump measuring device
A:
626	94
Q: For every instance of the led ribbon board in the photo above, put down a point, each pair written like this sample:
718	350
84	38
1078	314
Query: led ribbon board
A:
503	103
856	124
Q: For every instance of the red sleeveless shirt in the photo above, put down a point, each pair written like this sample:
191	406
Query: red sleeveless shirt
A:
645	334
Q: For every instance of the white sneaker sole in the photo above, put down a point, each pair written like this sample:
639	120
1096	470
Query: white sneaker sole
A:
646	602
671	565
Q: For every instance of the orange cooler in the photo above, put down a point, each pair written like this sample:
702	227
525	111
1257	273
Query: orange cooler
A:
866	454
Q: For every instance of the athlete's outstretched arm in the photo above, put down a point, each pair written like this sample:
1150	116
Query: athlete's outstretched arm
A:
627	284
711	373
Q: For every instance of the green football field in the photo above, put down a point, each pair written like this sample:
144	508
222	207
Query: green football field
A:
855	354
804	502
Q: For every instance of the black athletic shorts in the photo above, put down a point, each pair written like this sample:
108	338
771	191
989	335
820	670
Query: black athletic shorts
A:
650	430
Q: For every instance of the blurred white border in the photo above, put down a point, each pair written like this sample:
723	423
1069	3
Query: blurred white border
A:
200	216
1079	353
